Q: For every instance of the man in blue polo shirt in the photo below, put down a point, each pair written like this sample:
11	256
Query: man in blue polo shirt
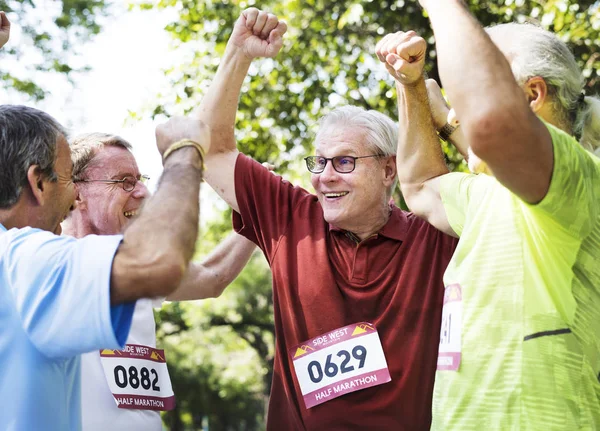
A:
60	297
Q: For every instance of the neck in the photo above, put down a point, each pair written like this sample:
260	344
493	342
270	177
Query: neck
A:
75	226
373	225
549	115
19	216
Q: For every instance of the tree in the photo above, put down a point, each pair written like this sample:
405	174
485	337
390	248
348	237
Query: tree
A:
327	61
50	34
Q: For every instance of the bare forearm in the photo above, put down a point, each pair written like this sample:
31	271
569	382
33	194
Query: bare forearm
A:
209	278
219	106
419	156
157	247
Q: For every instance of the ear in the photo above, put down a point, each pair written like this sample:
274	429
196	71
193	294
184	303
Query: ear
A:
36	179
80	201
536	92
390	170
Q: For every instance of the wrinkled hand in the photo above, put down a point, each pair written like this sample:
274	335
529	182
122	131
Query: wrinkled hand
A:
178	128
4	29
403	55
258	33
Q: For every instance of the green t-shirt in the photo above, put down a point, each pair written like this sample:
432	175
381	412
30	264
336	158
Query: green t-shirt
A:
529	277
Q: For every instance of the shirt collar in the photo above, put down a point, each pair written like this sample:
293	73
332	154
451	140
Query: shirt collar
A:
395	228
2	228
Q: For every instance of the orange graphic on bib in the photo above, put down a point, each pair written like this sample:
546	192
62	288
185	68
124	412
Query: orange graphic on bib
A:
362	328
302	350
110	352
157	357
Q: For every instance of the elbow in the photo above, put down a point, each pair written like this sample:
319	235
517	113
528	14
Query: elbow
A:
412	194
165	277
162	274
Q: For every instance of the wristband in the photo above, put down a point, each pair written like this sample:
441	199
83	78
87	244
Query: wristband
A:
184	143
445	132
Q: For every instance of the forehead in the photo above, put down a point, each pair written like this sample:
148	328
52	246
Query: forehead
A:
113	161
341	140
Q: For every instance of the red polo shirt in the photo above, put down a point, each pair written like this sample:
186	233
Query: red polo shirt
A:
323	279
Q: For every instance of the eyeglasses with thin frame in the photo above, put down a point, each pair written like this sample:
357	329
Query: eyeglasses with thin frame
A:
128	182
341	164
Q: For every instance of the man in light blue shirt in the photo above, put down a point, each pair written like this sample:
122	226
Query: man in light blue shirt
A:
59	296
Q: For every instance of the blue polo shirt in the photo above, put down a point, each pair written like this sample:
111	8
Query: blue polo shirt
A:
54	305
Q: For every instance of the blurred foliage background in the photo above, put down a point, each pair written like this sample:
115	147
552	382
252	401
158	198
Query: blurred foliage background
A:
220	351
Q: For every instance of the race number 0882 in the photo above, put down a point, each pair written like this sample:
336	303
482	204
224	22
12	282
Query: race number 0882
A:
134	379
316	372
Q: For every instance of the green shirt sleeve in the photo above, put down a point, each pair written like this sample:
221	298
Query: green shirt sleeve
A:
459	192
572	198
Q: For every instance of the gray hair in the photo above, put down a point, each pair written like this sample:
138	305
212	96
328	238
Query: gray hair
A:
382	132
28	137
85	147
534	51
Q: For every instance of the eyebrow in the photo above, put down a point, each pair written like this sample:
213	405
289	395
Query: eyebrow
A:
120	176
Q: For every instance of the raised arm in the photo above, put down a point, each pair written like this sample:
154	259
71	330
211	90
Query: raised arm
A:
441	114
209	278
157	247
419	157
495	118
256	34
4	29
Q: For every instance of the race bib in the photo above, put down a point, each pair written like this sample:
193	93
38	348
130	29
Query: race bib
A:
345	360
138	378
450	345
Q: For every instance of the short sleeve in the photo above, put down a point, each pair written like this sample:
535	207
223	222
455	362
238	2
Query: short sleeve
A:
61	290
267	203
573	196
460	191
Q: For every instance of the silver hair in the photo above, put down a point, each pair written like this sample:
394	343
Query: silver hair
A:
85	147
381	130
28	137
534	51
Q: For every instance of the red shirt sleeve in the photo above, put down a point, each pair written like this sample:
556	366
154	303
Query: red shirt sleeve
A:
267	203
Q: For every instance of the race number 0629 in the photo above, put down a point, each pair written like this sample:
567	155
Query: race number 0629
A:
133	378
316	371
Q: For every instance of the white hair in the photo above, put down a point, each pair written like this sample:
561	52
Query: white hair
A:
534	51
381	131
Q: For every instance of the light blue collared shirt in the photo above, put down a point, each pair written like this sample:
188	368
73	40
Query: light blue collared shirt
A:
54	306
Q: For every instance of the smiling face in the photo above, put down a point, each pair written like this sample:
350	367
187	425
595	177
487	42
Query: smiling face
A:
106	208
355	201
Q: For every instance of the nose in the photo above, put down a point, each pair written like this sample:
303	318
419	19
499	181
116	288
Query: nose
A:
329	174
140	191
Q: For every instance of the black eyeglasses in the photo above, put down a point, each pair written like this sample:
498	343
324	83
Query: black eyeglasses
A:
342	164
128	182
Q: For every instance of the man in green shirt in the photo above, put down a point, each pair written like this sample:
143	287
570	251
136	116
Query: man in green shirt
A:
520	338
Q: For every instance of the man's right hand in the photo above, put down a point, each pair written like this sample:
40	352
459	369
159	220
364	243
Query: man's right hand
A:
4	29
258	34
403	55
178	128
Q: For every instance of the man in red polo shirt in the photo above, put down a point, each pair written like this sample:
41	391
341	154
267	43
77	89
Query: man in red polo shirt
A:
357	282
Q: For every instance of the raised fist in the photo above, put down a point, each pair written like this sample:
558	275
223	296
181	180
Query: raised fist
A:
258	33
403	55
178	128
